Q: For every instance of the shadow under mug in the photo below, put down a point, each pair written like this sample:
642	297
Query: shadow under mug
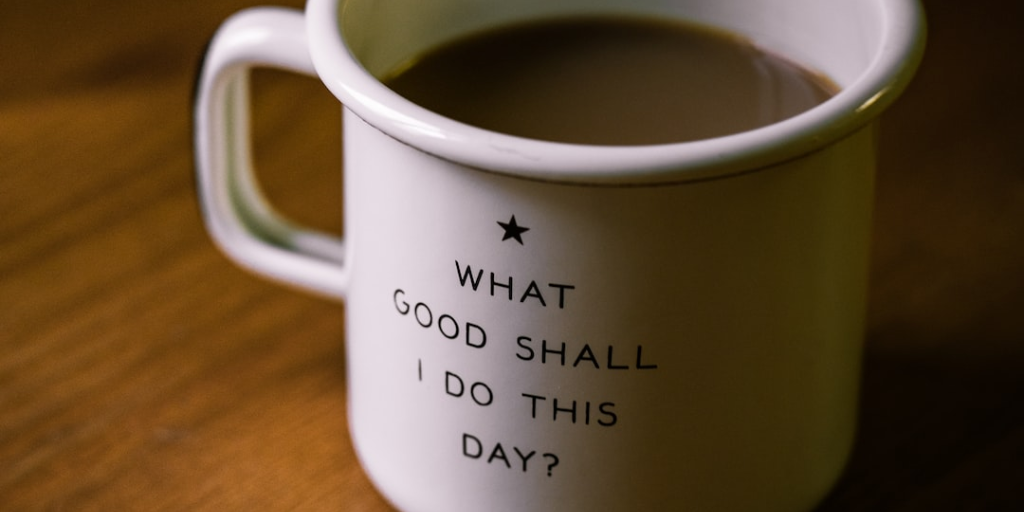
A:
552	327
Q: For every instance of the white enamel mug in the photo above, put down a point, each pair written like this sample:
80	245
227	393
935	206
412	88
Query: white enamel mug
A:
536	326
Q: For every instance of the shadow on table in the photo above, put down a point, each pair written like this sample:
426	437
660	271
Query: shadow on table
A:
940	429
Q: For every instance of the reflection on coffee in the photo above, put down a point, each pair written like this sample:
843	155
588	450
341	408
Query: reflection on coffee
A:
609	80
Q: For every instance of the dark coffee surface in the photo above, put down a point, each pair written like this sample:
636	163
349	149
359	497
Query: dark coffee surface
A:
608	80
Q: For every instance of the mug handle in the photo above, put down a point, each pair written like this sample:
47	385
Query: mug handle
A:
237	215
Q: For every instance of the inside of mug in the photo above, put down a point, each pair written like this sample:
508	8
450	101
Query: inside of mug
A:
838	38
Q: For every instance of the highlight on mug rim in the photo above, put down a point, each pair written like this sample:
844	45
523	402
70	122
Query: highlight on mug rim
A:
899	49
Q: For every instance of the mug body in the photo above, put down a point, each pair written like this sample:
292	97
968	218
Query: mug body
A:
553	327
516	344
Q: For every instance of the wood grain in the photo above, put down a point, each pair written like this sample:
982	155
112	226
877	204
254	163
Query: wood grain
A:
140	370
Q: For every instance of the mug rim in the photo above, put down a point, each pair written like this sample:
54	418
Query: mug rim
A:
901	49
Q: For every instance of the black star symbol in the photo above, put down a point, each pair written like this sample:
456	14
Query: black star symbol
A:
513	230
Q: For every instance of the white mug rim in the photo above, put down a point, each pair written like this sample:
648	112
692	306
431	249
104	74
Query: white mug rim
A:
856	105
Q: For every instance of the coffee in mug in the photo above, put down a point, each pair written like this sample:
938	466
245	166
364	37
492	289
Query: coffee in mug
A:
609	80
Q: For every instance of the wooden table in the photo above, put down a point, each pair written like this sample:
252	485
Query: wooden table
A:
140	370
